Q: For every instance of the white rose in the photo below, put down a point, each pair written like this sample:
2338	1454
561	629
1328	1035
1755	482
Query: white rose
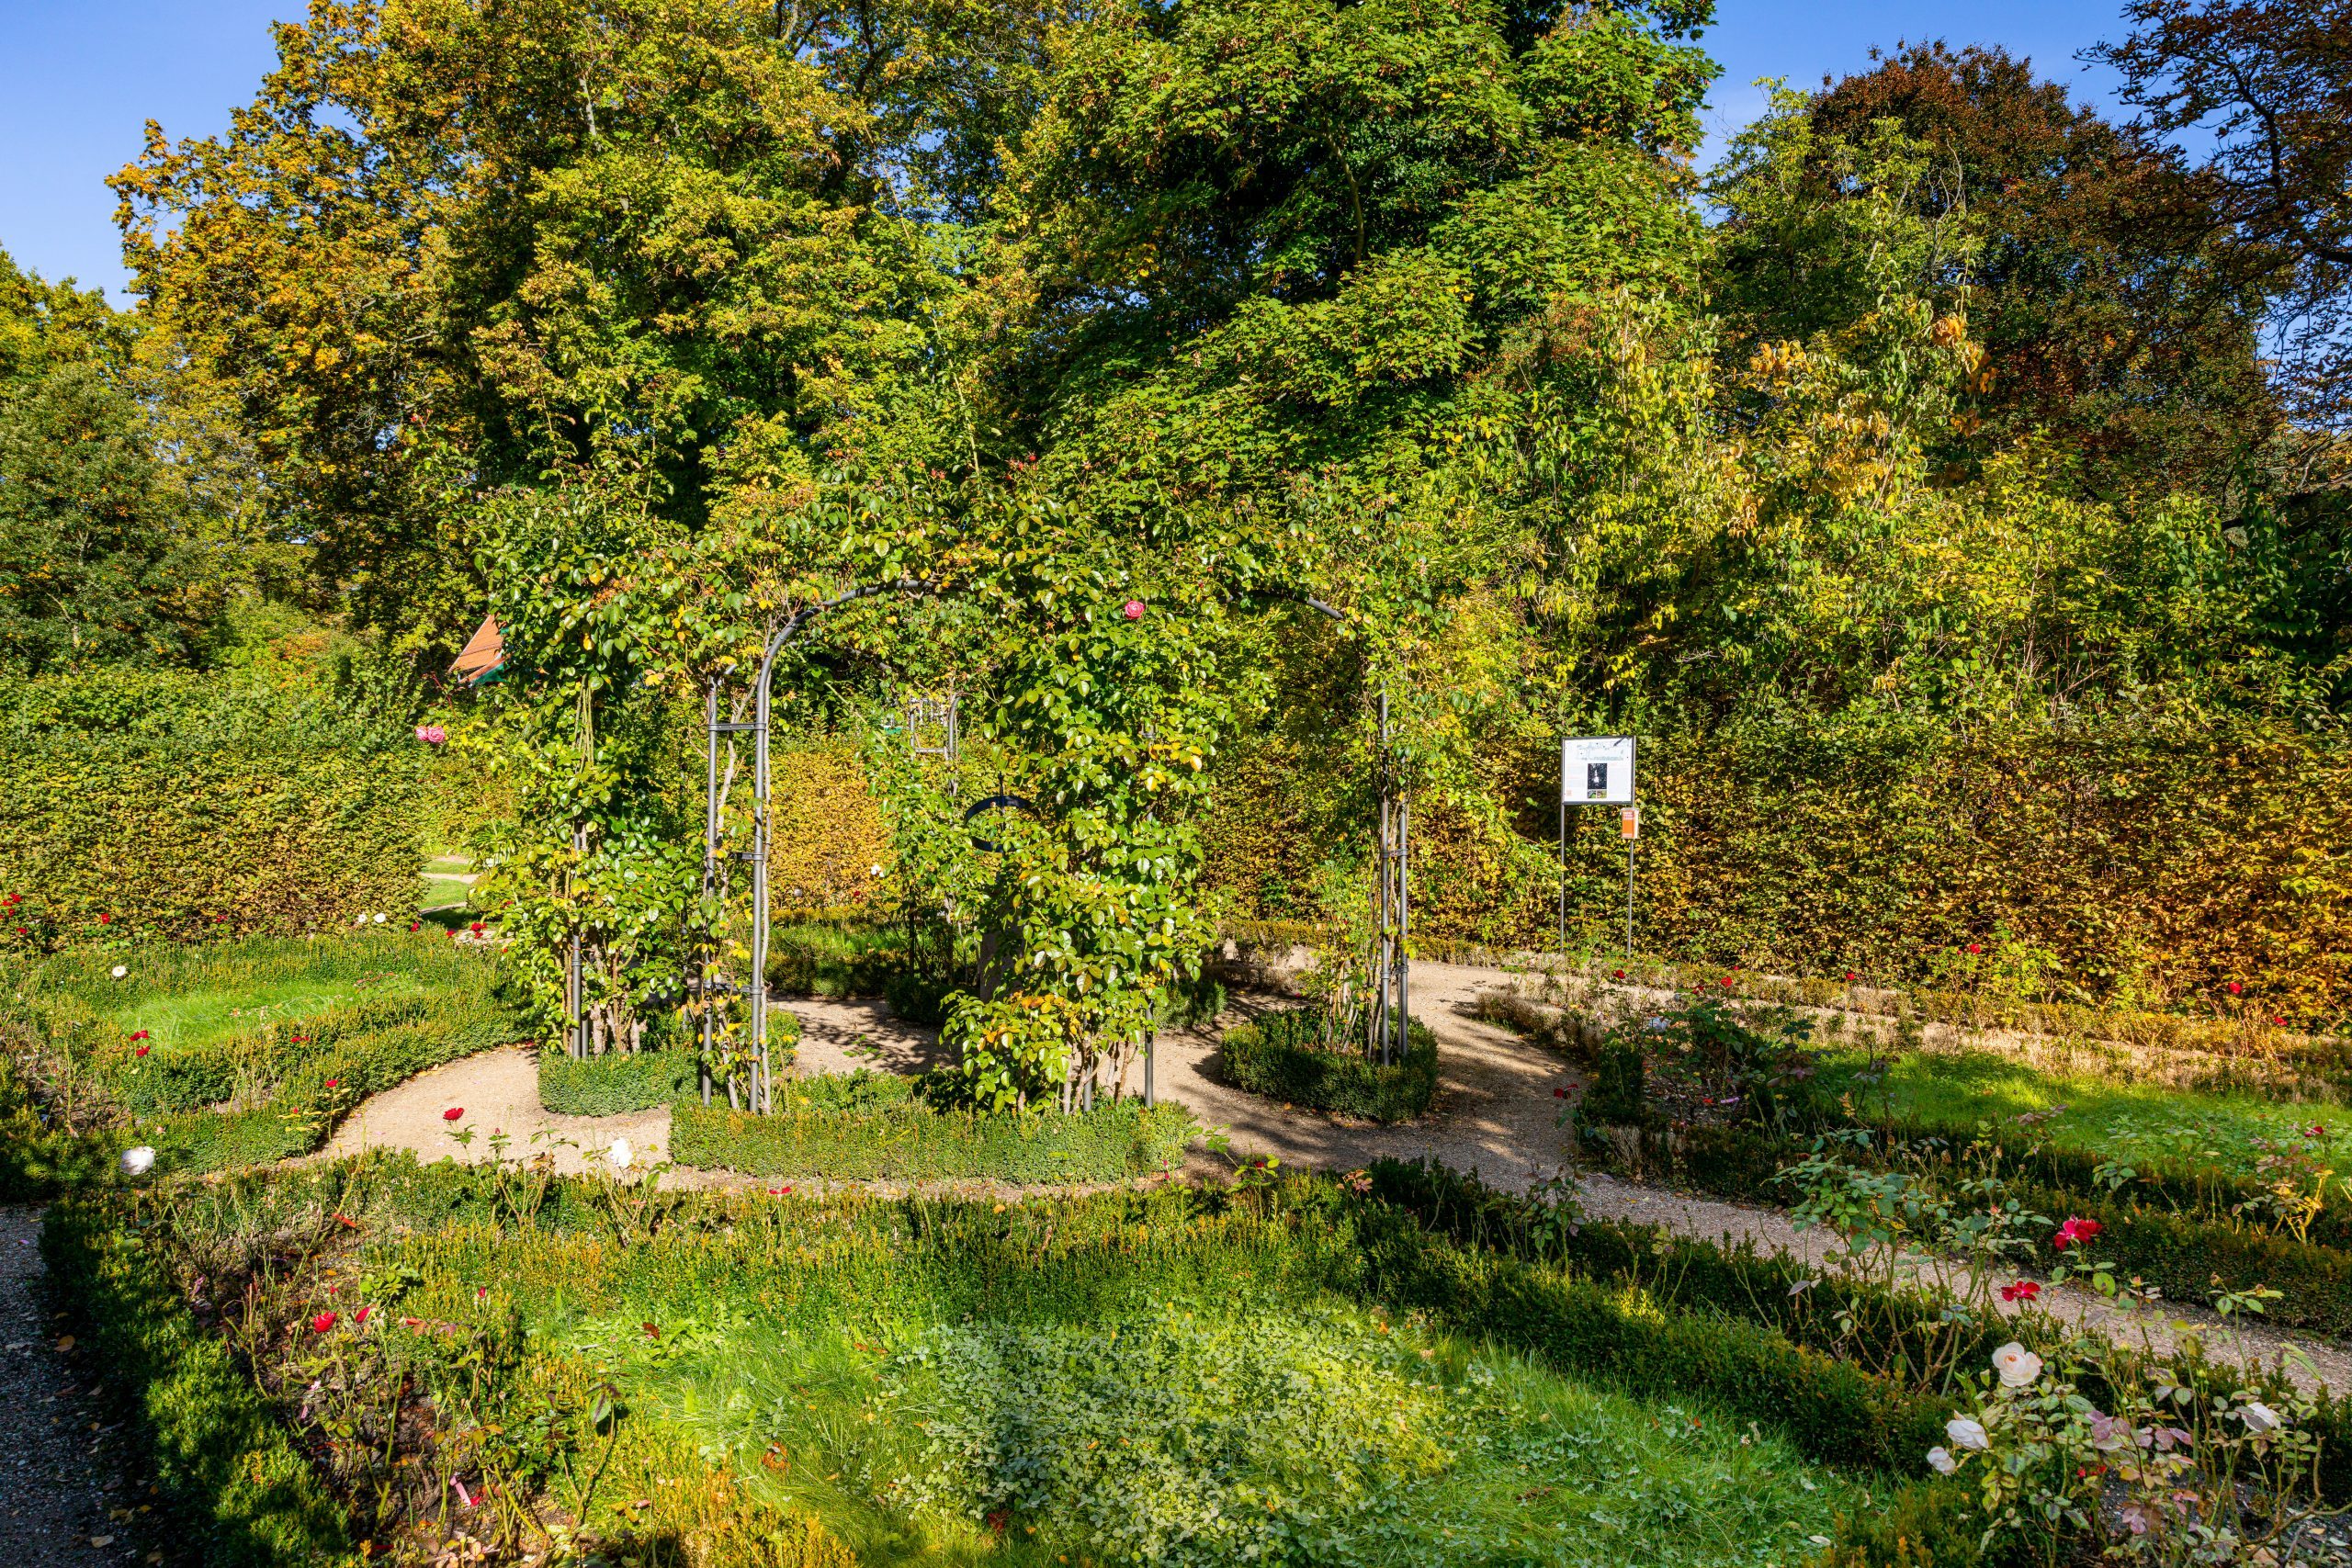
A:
120	970
1966	1434
2017	1365
138	1161
379	919
2259	1417
874	871
620	1154
1941	1461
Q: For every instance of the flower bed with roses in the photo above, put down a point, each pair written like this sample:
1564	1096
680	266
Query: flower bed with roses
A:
248	1051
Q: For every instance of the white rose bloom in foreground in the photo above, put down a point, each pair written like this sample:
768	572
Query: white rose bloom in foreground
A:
2017	1365
620	1154
1941	1461
138	1161
120	970
1966	1434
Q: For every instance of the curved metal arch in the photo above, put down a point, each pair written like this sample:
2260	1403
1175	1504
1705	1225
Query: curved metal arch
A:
1392	1014
756	989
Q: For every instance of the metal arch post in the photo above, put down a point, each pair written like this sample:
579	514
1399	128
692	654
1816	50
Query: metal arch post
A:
763	1086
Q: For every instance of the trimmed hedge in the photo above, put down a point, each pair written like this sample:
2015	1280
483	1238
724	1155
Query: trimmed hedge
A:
613	1083
1281	1057
875	1126
197	807
225	1469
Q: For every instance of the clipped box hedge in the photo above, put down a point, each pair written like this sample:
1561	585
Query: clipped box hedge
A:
615	1083
1281	1057
874	1126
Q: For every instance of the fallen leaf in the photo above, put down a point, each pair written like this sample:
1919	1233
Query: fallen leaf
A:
65	1344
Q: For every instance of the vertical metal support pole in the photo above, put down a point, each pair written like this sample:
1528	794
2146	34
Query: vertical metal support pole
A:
1151	1056
1404	926
709	869
757	981
1629	898
1563	878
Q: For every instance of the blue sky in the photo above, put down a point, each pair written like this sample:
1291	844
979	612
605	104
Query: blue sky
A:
80	78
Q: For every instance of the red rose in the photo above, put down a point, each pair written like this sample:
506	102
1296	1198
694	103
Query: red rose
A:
141	1052
1849	976
2278	1023
413	924
361	1316
1976	947
335	1083
2076	1230
1727	979
321	1322
475	928
453	1113
2023	1291
1619	974
140	1036
105	919
1559	1094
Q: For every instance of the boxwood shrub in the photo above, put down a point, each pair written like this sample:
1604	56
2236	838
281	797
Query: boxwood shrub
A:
867	1126
1280	1057
615	1082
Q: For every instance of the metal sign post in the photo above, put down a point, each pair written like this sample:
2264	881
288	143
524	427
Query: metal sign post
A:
1598	770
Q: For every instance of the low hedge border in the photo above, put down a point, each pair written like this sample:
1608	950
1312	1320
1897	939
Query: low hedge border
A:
1280	1057
874	1126
613	1084
225	1469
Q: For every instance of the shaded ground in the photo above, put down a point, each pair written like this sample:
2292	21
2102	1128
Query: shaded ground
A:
61	1501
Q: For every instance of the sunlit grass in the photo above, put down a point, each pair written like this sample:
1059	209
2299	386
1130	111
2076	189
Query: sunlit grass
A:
1191	1434
2101	1115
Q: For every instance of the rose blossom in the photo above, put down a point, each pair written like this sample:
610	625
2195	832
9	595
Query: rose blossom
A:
1966	1434
2017	1365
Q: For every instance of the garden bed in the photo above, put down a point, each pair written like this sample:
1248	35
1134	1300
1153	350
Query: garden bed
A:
1281	1058
877	1126
1276	1372
249	1052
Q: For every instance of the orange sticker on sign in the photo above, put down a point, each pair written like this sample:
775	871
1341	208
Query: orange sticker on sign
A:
1629	822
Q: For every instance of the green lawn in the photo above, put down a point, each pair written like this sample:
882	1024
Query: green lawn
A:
1204	1431
2119	1120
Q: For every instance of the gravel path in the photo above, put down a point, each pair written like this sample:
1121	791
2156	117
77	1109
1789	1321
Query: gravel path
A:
61	1504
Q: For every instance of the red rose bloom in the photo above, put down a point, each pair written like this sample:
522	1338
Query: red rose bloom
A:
1849	976
1976	947
335	1083
453	1113
1727	979
141	1052
321	1322
475	928
2076	1230
1621	974
105	919
361	1316
2023	1291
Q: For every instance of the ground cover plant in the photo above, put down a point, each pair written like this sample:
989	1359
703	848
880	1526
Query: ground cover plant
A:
244	1051
1285	1372
1286	1056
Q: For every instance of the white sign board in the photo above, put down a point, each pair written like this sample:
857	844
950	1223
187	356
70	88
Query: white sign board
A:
1597	770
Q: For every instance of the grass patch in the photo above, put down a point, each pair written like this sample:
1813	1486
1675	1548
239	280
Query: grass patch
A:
867	1126
252	1051
1281	1058
615	1083
2119	1121
1276	1372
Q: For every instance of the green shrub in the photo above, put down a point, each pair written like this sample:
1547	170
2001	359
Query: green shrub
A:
197	807
919	1000
615	1082
833	958
227	1473
1281	1058
869	1127
1619	1096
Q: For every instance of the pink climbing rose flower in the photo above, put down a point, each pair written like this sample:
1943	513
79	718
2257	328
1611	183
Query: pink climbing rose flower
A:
1133	610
